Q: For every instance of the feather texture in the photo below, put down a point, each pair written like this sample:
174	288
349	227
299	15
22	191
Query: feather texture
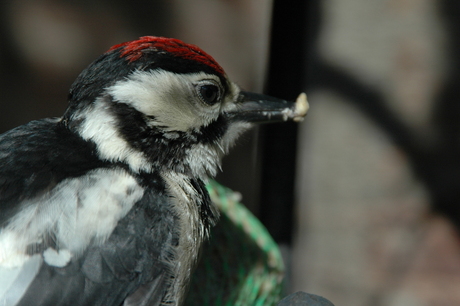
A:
56	248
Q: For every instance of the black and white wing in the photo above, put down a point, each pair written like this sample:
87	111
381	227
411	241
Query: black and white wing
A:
75	230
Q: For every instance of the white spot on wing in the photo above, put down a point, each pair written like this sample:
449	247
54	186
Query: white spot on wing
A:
77	211
57	258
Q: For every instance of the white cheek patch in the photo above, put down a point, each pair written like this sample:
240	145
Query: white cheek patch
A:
76	212
169	97
99	126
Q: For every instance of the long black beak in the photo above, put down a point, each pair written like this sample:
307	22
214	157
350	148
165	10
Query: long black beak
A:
257	108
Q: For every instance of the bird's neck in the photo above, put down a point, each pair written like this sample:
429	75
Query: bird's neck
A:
123	136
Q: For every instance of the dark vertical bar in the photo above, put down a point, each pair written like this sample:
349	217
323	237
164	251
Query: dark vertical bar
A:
286	79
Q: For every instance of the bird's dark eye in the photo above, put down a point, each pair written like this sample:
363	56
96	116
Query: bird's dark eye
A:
209	93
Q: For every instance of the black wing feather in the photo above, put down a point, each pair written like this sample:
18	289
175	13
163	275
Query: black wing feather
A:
131	262
37	156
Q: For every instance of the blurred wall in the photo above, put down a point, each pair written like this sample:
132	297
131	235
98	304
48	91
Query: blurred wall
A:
374	162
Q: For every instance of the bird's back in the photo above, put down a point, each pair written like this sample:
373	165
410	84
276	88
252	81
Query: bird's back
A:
37	156
69	260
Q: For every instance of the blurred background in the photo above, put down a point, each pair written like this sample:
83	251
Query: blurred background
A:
364	195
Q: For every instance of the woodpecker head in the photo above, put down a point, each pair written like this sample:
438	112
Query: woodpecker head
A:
161	104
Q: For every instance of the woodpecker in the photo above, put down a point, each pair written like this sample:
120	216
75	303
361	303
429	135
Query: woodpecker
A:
107	204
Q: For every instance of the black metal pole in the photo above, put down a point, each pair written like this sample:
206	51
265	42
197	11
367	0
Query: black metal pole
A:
286	79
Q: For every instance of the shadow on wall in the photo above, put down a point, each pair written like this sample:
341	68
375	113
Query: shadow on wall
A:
434	160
